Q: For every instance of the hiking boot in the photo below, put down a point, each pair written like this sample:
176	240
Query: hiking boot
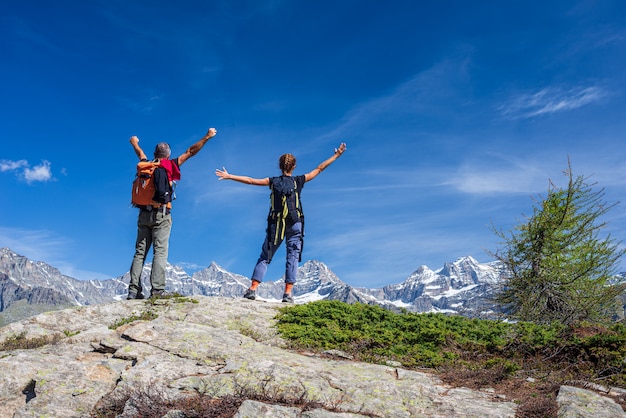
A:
132	296
157	294
287	298
250	294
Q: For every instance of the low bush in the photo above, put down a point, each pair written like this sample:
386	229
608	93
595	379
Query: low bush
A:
471	352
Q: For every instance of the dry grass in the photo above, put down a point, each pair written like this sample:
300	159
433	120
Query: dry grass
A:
535	399
536	396
151	401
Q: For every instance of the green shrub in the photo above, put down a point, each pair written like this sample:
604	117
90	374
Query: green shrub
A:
373	334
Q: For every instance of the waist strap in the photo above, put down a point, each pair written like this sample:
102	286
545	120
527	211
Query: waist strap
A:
163	208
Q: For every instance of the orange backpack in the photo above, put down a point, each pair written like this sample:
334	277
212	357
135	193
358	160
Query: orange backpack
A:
143	185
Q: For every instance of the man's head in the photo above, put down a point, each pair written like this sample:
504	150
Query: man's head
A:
162	150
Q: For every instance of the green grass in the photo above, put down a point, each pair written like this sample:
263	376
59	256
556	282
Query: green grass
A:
373	334
147	315
69	333
22	342
170	297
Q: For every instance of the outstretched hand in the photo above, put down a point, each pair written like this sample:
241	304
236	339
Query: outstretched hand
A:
341	149
134	141
222	174
211	132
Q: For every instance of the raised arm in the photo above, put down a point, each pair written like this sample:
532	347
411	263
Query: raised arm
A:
134	141
195	148
317	170
225	175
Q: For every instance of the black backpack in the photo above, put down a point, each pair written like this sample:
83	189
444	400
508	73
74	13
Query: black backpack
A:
285	200
286	205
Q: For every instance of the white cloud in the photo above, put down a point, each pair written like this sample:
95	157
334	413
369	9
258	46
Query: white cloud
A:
486	181
41	172
495	173
6	165
551	100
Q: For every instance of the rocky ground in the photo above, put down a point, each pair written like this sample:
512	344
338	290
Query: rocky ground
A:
129	355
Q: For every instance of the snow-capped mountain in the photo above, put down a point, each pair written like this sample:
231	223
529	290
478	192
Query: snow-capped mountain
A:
212	281
464	287
29	276
461	287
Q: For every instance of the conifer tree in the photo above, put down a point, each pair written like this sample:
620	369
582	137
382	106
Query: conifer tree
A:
556	264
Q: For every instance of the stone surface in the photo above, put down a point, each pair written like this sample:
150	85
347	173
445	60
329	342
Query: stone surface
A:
582	403
217	346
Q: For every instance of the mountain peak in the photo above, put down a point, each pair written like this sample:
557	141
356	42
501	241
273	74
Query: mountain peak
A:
459	287
422	269
316	271
468	259
216	267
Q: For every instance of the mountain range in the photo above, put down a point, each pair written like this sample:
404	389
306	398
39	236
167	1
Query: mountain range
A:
463	287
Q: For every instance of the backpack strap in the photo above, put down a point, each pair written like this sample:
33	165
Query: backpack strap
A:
281	223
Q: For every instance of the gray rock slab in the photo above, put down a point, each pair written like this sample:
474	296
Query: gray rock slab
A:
213	346
582	403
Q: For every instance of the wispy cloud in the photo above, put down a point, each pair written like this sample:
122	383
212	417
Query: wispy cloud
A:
6	165
46	246
22	169
144	105
551	100
407	246
26	32
190	267
420	94
497	174
35	244
516	179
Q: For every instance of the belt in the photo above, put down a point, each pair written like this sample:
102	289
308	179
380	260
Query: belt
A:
153	209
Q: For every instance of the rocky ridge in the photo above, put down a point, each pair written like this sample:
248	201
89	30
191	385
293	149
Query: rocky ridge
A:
218	346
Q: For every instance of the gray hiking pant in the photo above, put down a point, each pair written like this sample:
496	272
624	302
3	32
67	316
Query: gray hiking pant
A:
153	229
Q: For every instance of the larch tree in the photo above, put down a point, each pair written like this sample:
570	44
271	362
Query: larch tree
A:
556	264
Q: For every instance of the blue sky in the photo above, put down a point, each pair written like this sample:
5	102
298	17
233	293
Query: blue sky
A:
455	114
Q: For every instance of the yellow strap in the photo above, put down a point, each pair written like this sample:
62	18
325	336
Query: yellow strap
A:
285	208
280	231
280	223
